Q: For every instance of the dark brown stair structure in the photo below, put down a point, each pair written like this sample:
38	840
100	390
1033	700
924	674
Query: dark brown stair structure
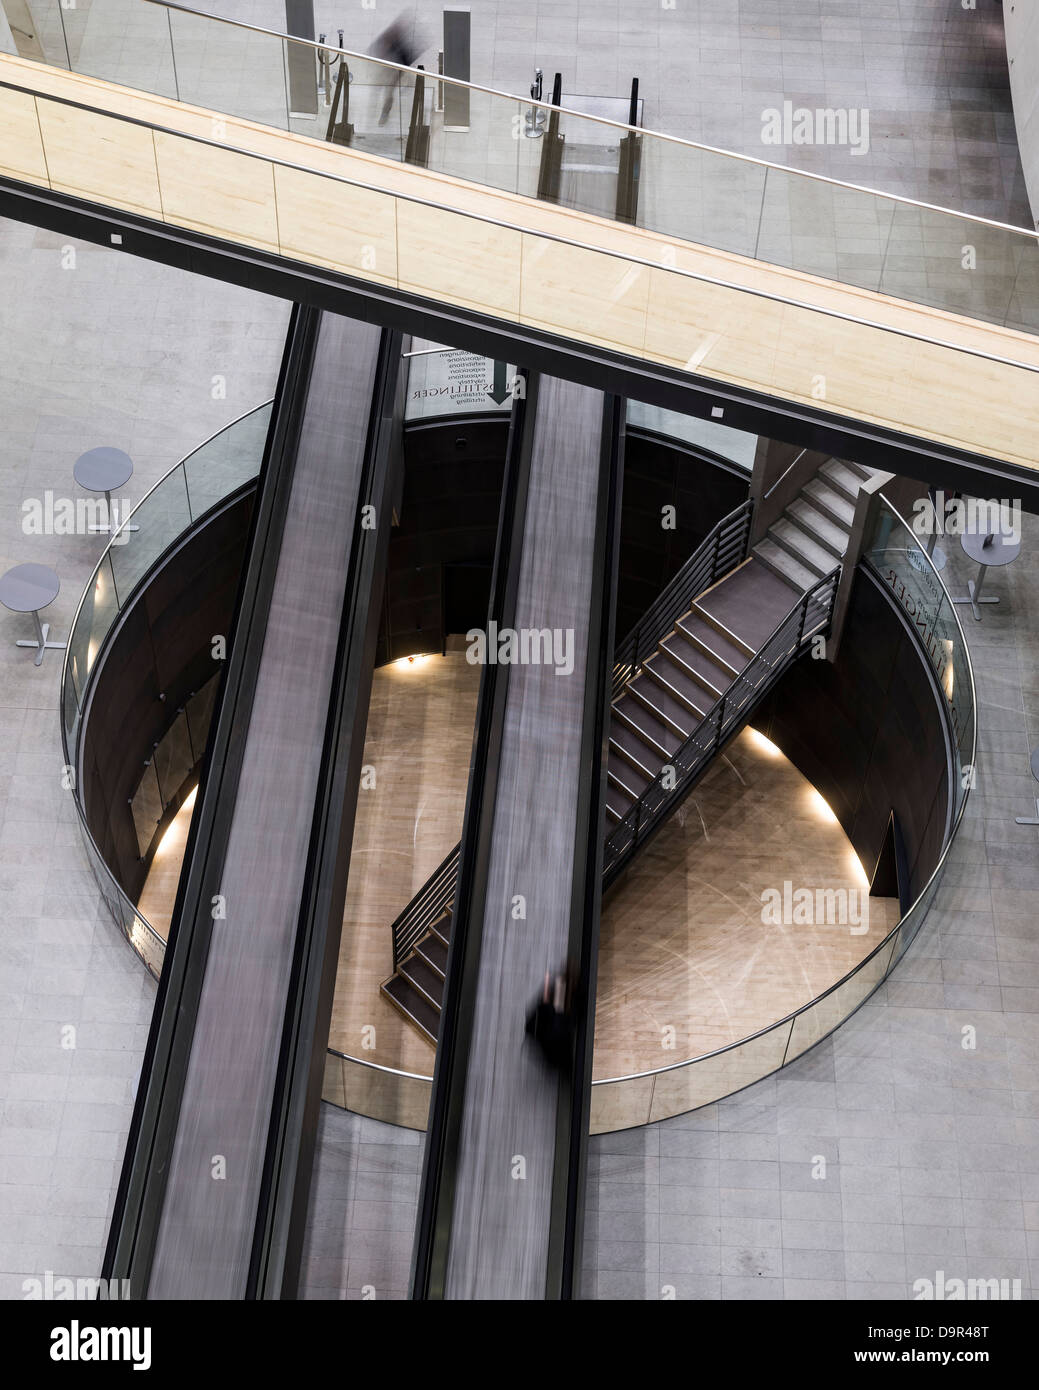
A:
689	672
416	990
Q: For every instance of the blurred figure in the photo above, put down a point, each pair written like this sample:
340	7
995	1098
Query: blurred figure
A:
551	1022
395	45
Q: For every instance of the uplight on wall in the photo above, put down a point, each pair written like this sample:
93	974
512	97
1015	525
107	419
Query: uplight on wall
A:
821	807
177	828
763	744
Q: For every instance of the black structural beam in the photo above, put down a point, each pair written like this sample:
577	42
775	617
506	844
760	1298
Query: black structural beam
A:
539	351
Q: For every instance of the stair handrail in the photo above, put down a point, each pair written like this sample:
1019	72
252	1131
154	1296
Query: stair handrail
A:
810	614
721	550
425	907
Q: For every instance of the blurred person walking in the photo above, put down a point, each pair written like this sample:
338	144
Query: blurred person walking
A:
395	45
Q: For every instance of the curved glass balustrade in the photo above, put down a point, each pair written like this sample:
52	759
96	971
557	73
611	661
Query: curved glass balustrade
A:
230	459
177	502
690	192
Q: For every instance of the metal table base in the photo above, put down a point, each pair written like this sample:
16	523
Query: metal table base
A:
41	644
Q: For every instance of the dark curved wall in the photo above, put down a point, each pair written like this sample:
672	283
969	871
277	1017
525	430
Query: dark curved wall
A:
868	732
159	655
442	551
658	473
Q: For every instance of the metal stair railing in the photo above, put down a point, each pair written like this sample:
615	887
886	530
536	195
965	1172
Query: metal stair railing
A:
721	550
428	904
808	617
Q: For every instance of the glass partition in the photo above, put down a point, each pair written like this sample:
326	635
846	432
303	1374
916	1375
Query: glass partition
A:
686	191
179	500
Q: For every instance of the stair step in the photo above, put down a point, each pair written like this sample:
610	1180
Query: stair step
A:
421	974
691	660
403	995
442	926
629	746
677	685
617	803
664	704
623	776
658	736
804	549
831	503
841	479
783	564
862	469
433	949
722	650
725	632
823	529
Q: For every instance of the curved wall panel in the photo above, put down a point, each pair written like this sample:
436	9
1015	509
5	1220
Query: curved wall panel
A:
869	733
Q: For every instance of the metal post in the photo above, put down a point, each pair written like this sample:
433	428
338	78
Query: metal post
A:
534	125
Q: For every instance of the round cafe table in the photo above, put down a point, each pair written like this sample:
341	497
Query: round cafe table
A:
104	470
986	551
27	589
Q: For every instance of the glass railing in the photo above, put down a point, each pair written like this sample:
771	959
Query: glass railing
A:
177	502
689	192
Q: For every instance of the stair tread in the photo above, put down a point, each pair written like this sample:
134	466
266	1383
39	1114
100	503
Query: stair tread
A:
660	739
829	533
842	478
421	974
724	648
414	1005
434	950
709	673
624	776
830	500
442	925
632	749
782	563
617	803
667	705
678	685
806	550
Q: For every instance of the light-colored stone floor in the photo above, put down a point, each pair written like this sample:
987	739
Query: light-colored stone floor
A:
96	348
686	962
932	76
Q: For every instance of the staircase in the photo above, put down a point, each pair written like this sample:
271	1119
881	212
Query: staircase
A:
678	696
694	665
417	988
812	534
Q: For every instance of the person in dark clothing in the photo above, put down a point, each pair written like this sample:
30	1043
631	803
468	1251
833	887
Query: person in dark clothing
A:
551	1021
394	45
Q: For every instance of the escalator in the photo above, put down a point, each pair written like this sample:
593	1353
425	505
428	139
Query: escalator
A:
216	1173
527	886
